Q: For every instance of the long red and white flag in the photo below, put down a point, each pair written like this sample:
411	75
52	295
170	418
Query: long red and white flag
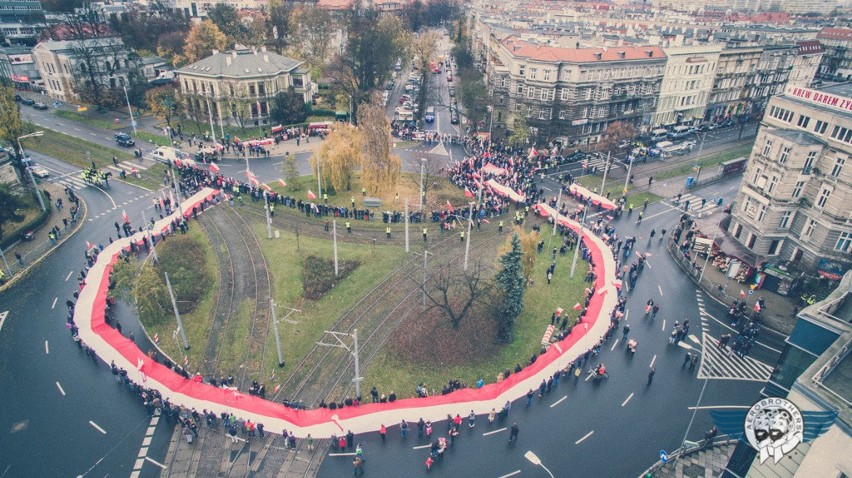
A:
214	168
124	217
467	193
311	194
282	183
450	206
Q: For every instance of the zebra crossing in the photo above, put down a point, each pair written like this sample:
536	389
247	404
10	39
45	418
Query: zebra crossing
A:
594	162
717	363
693	204
74	181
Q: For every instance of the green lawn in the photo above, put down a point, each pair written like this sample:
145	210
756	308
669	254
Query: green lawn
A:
705	162
157	139
196	323
285	266
390	372
81	153
92	118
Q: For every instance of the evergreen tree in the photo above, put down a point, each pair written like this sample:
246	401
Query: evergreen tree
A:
511	281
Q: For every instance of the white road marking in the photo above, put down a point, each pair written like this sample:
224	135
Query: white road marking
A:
155	462
685	345
54	302
420	447
516	472
46	348
664	325
582	439
559	401
93	134
626	400
652	361
68	276
63	394
626	313
693	338
96	427
660	288
613	345
3	316
494	431
336	454
146	441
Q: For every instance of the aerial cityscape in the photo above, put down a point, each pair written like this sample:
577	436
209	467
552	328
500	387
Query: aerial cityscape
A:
403	238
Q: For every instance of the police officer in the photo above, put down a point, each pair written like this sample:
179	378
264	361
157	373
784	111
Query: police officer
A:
388	232
500	226
424	234
349	227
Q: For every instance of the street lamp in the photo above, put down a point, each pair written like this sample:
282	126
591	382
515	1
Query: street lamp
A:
129	109
29	170
535	460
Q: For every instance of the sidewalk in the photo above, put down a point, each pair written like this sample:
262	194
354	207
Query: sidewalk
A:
33	251
696	462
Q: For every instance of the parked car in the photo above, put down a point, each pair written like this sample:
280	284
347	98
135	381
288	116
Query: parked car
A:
575	156
28	101
454	117
452	92
40	106
389	85
430	114
18	97
124	139
404	98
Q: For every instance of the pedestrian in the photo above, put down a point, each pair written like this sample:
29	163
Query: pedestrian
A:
428	428
310	440
530	397
358	466
492	416
403	426
471	420
388	232
383	431
693	362
626	330
350	439
20	258
651	375
341	442
686	360
513	433
429	462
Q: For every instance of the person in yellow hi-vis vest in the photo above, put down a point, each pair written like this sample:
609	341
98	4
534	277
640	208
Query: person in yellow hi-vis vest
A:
388	232
424	234
462	235
349	227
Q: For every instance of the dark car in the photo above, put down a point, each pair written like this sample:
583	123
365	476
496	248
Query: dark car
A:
575	156
124	139
18	98
28	101
40	106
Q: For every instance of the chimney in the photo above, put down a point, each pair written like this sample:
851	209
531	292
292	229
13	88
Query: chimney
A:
215	52
234	53
228	60
263	48
598	56
265	57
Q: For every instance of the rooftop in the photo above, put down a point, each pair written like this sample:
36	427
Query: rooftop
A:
835	34
523	49
839	89
241	63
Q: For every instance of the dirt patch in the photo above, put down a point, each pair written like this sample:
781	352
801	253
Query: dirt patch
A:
429	339
318	275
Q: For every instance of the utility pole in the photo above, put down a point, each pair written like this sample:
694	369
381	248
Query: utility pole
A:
467	239
268	216
422	170
579	239
555	217
406	225
177	314
425	269
277	337
212	127
319	182
334	236
175	182
150	237
606	170
354	351
130	110
707	258
627	179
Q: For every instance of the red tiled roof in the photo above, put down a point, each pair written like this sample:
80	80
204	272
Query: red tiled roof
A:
807	47
334	4
581	55
835	34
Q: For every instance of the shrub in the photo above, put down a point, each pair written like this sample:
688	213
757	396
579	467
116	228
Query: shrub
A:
318	275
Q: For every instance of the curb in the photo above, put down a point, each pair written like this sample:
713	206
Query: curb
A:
40	258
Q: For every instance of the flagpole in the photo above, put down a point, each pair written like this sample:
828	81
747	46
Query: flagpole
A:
406	225
467	242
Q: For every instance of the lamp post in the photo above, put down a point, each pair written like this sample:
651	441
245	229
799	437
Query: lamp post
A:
535	460
129	110
579	239
29	170
422	171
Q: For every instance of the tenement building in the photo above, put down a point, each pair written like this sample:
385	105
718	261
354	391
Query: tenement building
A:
570	95
794	202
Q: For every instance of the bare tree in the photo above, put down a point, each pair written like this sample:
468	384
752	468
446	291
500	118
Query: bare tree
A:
455	292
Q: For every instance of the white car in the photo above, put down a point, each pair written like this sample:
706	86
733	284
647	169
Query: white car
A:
40	171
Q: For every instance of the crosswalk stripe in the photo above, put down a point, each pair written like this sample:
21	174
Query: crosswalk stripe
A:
717	364
114	168
134	165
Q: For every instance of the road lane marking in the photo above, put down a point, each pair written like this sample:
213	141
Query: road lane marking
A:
582	439
334	454
626	400
494	431
54	302
613	345
68	276
96	427
660	288
146	441
46	348
420	447
516	472
664	325
155	462
63	393
685	345
652	361
559	401
626	314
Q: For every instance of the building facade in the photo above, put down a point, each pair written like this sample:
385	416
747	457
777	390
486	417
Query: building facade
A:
68	64
240	85
734	76
570	95
793	205
806	64
837	60
17	64
690	73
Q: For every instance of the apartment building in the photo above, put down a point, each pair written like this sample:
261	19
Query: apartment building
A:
734	75
690	73
806	64
837	60
570	95
240	85
62	64
793	205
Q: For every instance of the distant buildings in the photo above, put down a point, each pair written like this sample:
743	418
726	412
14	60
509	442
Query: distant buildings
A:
17	64
837	61
793	204
689	75
238	86
67	65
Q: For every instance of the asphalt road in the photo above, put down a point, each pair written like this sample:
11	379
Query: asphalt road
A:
617	427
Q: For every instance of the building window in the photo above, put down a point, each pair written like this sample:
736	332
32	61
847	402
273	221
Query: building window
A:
520	89
838	166
546	75
531	92
533	73
775	247
842	134
563	114
844	242
756	177
752	238
522	70
809	230
767	147
772	182
820	127
803	121
809	162
785	153
747	204
544	113
797	190
503	82
785	220
761	213
823	197
564	95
